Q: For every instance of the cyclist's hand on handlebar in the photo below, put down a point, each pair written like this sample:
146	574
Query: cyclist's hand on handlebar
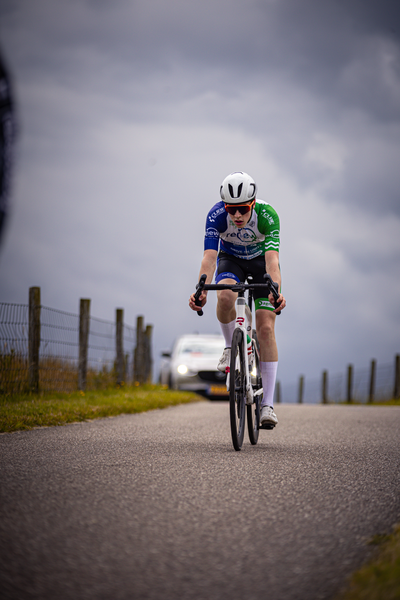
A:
202	300
280	302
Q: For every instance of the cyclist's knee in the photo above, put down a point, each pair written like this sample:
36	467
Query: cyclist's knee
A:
265	323
226	300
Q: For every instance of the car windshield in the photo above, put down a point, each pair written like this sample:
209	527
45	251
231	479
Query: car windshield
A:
201	347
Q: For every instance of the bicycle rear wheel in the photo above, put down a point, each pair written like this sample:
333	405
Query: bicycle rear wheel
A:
237	390
253	410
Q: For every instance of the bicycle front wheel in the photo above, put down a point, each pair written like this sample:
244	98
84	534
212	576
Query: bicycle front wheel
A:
237	390
253	410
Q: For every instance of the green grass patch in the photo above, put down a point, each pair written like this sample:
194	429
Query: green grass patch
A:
379	579
393	402
27	411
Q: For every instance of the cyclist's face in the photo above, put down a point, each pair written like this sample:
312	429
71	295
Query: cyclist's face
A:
239	219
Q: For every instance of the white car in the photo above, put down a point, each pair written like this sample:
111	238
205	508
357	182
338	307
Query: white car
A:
192	365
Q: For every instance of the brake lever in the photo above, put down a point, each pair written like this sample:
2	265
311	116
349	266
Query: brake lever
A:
199	289
274	289
276	295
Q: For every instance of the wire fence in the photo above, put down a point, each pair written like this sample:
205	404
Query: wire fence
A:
59	350
337	386
14	331
102	351
59	355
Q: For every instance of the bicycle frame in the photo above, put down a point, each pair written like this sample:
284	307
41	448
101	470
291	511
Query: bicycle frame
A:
242	323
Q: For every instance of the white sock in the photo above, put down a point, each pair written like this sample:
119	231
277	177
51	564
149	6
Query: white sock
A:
227	331
268	374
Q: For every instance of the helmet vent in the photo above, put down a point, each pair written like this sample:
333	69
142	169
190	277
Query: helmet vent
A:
238	192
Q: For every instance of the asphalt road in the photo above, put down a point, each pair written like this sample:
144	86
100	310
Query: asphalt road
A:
159	505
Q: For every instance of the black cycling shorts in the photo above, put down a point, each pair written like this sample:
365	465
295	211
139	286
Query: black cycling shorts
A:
231	267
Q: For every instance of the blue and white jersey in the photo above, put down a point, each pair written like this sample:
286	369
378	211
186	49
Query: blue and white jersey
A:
258	236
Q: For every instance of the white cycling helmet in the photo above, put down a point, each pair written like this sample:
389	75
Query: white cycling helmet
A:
238	188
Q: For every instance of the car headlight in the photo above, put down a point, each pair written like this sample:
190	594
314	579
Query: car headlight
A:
182	369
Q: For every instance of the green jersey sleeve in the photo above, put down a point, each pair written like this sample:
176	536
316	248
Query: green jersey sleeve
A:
269	225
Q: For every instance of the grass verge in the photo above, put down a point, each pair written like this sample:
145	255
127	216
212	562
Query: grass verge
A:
393	402
380	578
23	412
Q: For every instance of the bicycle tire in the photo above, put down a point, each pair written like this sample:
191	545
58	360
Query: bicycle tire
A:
253	410
237	390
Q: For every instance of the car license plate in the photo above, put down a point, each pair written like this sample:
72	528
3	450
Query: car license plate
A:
218	390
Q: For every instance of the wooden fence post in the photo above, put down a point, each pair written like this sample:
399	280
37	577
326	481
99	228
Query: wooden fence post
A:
34	338
372	381
120	366
278	392
84	324
126	366
148	364
396	390
350	383
143	362
138	354
301	389
324	387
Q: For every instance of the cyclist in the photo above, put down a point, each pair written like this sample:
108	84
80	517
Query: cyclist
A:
242	238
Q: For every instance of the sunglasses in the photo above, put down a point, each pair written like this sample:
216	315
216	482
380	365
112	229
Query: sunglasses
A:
242	208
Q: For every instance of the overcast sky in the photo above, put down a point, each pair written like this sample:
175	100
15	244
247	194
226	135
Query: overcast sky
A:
132	112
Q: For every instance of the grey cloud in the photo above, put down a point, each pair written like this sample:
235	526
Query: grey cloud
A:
276	69
335	47
129	100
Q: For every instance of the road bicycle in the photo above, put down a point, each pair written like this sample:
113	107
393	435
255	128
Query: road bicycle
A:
243	379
